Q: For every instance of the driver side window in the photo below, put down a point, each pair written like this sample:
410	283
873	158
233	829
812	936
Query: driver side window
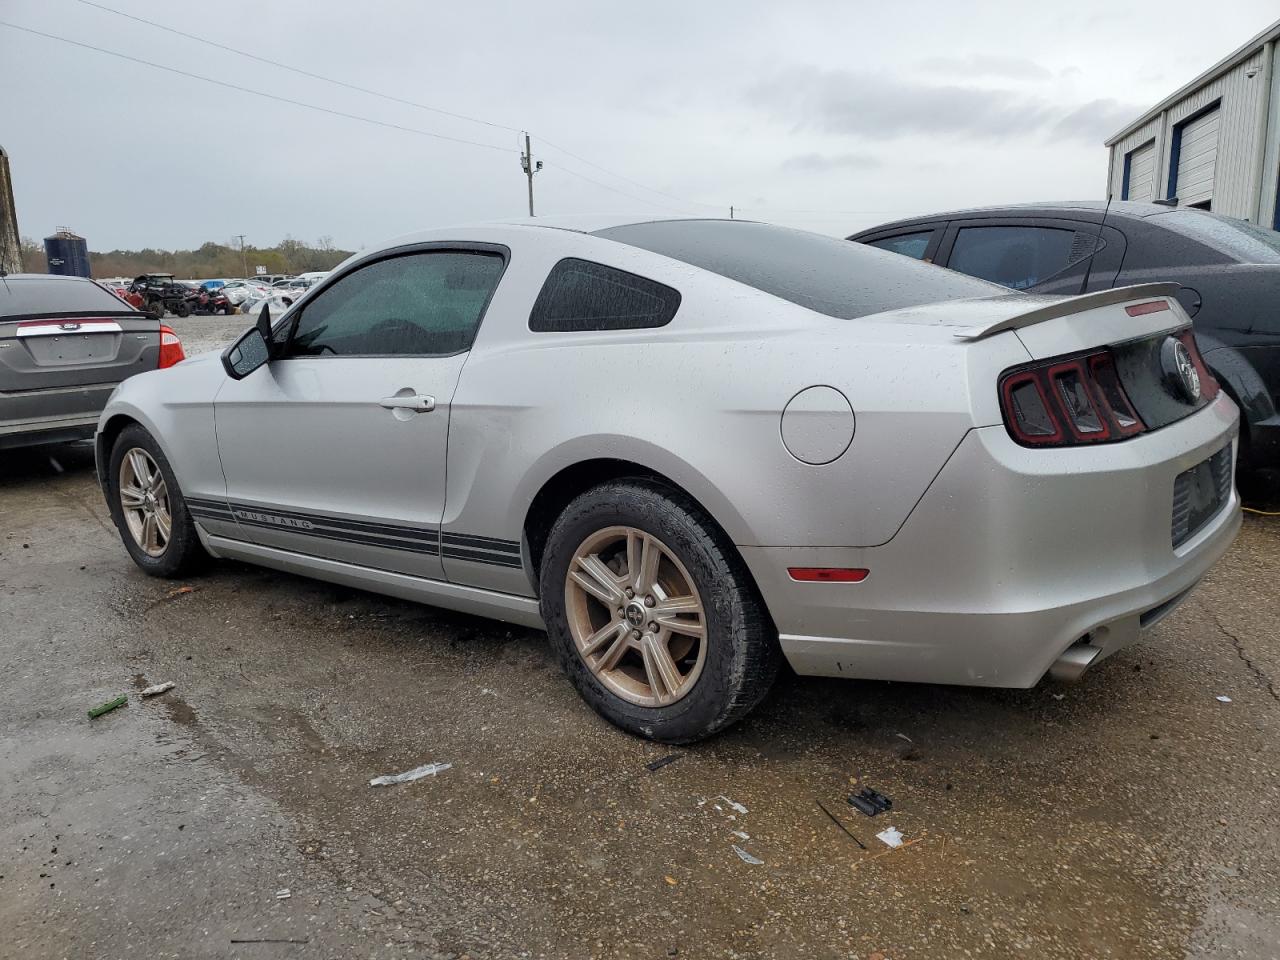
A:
416	304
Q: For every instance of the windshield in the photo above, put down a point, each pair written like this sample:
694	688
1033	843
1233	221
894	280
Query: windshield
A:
835	277
1238	239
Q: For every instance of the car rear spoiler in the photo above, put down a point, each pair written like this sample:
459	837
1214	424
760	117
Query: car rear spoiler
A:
1050	308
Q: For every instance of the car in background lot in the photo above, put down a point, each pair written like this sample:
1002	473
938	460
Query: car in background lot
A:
1229	271
237	291
65	344
689	448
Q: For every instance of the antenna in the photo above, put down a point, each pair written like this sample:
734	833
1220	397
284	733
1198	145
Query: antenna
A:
1097	245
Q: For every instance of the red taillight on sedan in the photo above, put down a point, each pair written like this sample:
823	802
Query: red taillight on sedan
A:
1061	403
170	348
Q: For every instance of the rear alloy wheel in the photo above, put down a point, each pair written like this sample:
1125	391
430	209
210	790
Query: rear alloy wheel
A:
635	616
652	613
147	506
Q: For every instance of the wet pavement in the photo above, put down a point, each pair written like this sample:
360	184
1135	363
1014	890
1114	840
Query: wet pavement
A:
1132	815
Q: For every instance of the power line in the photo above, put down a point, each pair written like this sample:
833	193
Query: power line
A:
394	99
297	70
605	186
697	203
258	93
395	126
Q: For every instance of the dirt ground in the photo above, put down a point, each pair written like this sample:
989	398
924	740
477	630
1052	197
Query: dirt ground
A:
1132	815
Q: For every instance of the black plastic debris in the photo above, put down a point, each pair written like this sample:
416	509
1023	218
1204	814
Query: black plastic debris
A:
870	802
663	761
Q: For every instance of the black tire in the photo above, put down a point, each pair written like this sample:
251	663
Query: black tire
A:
742	655
157	307
183	552
180	309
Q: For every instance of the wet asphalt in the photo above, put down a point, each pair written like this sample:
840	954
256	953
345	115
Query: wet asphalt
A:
1131	815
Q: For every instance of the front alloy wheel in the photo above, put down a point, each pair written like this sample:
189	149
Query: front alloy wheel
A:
147	506
144	502
635	616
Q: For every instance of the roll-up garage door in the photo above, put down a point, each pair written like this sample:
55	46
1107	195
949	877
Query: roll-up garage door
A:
1197	158
1142	174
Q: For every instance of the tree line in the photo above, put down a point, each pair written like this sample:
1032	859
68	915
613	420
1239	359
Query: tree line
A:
208	261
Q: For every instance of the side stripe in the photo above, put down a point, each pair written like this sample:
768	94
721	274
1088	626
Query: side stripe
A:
430	549
480	543
374	533
494	559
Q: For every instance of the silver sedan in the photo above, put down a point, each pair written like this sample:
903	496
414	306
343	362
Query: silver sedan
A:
695	449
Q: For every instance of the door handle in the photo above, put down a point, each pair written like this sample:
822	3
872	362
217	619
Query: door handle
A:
418	403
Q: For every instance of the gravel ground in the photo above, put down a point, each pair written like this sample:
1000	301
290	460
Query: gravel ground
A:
1132	815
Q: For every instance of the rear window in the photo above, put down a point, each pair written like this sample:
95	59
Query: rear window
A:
580	295
836	277
24	296
1238	239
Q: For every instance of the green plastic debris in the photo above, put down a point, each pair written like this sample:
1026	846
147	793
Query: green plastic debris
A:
108	707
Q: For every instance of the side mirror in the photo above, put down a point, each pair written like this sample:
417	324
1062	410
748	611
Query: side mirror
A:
247	354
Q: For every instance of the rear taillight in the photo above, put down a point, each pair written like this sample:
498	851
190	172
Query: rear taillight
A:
1064	402
170	348
1208	383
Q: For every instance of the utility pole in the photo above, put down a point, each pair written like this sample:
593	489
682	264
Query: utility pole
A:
529	168
10	246
244	263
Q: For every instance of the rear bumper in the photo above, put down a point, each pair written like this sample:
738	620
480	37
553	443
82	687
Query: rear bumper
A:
53	415
29	433
1011	557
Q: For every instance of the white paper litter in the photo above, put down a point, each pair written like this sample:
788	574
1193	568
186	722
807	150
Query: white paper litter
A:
417	773
1223	699
741	835
746	857
892	837
736	806
284	894
159	688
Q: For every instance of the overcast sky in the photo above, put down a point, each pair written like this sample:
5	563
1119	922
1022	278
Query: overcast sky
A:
828	115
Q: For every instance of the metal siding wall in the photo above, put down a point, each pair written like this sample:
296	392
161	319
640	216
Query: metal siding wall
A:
1237	134
1271	161
1122	147
1237	137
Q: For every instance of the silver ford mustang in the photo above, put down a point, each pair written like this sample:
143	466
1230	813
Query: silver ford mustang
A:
694	448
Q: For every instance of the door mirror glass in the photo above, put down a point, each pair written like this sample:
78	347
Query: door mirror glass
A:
246	355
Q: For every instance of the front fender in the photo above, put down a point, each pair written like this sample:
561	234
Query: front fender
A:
175	406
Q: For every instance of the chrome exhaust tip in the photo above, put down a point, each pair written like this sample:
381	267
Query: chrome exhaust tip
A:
1075	660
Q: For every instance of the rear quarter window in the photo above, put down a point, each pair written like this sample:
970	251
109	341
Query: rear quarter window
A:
580	295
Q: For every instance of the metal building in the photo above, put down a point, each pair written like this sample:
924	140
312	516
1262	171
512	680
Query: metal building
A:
67	254
1214	143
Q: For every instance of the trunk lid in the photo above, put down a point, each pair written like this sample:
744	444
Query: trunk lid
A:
69	349
64	332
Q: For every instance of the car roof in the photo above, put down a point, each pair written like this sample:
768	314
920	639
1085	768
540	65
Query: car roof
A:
1088	210
576	223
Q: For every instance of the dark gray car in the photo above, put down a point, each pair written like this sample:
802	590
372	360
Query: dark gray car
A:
1229	270
65	343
